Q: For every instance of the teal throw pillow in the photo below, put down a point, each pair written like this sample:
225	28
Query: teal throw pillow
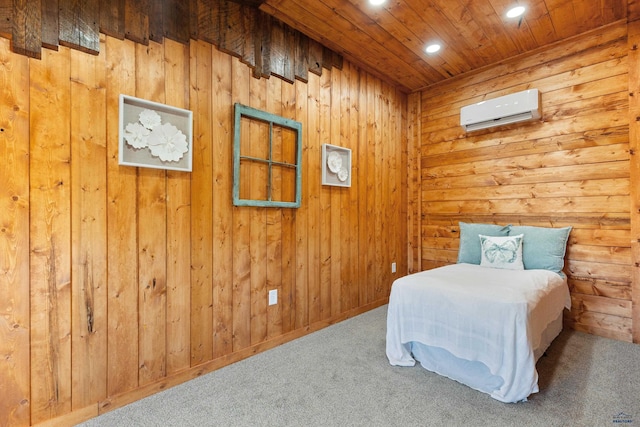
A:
469	251
543	248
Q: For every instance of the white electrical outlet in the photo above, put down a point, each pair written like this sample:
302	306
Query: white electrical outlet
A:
273	296
393	267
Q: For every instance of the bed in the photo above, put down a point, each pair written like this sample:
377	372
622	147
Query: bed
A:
485	320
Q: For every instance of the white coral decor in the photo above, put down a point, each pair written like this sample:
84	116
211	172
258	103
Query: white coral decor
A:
136	135
149	119
167	142
163	140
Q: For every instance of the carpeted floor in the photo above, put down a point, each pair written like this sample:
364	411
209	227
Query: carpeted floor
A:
340	376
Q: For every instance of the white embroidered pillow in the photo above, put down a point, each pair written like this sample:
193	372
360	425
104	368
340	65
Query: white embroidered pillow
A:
502	252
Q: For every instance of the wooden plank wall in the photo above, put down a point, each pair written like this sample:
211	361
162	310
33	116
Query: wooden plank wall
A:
571	168
117	282
633	41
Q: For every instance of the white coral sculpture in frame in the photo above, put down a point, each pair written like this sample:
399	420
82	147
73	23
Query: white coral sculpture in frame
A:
149	119
136	135
164	141
167	142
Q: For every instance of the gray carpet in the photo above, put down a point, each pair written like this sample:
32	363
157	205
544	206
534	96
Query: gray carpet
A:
340	376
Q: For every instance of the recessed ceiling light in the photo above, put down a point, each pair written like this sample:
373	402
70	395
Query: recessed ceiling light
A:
376	2
514	12
433	48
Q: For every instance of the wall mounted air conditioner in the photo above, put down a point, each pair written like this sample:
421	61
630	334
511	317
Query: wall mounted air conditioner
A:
516	107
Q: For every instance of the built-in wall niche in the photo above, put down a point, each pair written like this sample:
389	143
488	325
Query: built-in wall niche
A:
267	159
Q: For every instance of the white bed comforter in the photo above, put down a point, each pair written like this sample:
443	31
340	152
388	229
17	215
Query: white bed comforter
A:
478	314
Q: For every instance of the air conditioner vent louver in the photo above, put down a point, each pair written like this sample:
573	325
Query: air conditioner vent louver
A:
516	107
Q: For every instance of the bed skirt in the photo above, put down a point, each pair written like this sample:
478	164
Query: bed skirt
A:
473	373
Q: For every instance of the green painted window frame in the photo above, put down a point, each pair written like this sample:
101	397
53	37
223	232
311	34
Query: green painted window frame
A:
241	111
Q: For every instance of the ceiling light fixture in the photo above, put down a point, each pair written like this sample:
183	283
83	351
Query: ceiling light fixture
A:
516	11
376	2
433	48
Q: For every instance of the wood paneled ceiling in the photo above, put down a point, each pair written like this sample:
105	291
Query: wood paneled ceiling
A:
389	40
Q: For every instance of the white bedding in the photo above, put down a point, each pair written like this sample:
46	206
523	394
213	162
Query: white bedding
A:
476	314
